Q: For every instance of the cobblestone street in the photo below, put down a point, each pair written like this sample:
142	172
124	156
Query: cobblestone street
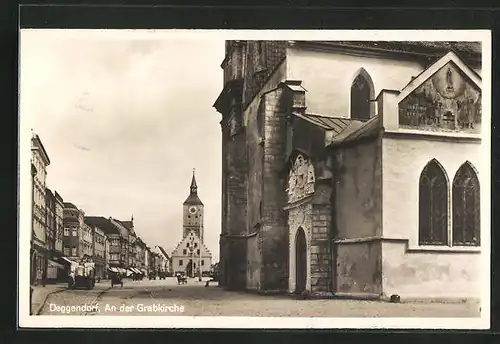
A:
165	297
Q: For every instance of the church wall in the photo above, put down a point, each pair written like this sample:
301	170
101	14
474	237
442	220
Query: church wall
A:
308	137
237	185
254	257
328	76
403	160
410	270
358	218
236	266
320	255
358	267
358	191
255	147
274	231
421	274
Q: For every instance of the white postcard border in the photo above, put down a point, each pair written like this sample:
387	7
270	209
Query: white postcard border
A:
25	320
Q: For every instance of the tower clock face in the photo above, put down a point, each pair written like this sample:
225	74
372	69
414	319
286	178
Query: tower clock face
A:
193	210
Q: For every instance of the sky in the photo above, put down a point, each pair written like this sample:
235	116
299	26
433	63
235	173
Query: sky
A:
124	119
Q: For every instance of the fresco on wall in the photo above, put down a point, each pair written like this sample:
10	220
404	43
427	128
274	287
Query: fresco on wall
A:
447	101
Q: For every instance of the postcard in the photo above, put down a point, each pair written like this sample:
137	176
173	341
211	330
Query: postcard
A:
254	179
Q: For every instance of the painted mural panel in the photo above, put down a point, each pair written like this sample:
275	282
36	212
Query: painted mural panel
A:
447	101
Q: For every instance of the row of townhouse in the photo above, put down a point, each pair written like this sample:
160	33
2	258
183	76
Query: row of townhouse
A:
61	232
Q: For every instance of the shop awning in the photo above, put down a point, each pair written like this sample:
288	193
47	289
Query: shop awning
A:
137	271
122	270
54	264
67	260
113	269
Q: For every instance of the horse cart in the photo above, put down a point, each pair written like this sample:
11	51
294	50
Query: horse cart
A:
116	279
181	279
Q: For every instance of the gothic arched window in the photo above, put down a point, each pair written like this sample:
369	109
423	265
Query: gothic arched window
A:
466	214
433	205
361	96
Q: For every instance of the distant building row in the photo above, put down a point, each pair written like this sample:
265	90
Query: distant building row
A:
61	233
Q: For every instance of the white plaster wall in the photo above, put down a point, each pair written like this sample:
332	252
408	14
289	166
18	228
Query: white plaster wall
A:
430	274
444	271
327	77
294	224
403	160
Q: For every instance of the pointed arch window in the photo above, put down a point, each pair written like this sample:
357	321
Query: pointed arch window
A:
433	205
361	95
466	213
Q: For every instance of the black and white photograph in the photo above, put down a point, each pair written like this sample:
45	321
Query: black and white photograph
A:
254	179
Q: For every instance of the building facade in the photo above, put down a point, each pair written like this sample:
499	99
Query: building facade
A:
99	250
114	241
124	241
53	237
59	216
86	240
39	250
191	256
346	165
72	231
140	248
107	255
147	259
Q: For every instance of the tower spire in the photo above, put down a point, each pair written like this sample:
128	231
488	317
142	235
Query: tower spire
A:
194	187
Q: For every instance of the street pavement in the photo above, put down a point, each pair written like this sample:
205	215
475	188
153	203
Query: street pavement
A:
166	297
41	293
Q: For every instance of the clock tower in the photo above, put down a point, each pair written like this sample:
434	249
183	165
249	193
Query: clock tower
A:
193	212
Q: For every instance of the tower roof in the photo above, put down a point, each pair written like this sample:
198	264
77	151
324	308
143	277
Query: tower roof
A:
193	193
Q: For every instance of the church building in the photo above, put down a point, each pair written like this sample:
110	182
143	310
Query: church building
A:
352	168
191	256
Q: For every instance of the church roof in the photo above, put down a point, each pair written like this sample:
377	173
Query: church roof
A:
336	124
471	51
356	130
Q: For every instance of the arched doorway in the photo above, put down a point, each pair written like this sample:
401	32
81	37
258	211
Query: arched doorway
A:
189	268
300	261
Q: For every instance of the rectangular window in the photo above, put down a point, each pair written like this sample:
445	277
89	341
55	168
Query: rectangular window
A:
198	251
73	253
180	262
184	252
187	245
202	262
67	251
195	245
75	232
